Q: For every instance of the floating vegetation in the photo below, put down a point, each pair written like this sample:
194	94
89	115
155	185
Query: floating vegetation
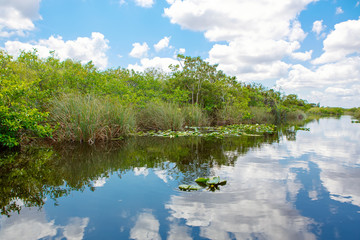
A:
215	132
211	184
185	187
297	128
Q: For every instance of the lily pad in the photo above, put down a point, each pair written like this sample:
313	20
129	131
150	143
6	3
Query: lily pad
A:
201	180
222	183
213	181
185	187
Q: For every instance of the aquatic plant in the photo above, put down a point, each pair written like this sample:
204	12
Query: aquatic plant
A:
211	184
215	132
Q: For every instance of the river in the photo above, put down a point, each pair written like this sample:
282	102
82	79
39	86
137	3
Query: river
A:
297	184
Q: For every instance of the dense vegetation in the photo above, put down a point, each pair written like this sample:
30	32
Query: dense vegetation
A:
67	100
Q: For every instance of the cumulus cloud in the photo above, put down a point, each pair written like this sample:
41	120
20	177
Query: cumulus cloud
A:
146	227
335	77
249	61
344	74
302	56
341	42
17	16
318	27
144	3
254	49
33	224
157	62
163	43
182	51
82	49
139	50
339	10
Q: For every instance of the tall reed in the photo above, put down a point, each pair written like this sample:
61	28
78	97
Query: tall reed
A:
160	116
261	115
195	116
89	118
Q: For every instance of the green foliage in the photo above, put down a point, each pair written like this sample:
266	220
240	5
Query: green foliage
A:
326	111
20	114
105	104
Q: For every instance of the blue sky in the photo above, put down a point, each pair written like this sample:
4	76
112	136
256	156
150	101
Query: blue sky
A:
307	47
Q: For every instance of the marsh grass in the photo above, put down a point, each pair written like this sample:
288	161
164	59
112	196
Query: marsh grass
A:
261	115
230	115
160	116
296	115
195	116
89	118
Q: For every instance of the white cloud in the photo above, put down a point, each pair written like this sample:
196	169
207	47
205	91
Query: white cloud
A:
100	182
139	50
157	62
254	48
357	4
302	56
144	3
146	227
17	16
141	171
257	206
163	43
82	49
182	50
179	232
335	77
252	59
341	42
32	223
344	74
339	10
76	228
318	27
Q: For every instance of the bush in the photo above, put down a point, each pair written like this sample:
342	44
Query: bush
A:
88	118
20	116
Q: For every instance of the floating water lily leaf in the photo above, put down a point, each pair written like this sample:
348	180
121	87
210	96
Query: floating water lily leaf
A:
212	184
213	181
201	180
222	183
185	187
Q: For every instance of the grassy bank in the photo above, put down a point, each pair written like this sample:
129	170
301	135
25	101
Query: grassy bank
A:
70	101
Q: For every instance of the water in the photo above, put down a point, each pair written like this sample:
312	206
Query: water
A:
295	185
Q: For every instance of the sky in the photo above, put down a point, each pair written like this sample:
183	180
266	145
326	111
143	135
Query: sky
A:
306	47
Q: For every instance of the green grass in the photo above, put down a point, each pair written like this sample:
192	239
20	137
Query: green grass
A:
89	118
195	116
160	116
261	115
326	111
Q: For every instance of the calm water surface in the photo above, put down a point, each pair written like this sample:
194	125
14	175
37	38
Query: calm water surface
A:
294	185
